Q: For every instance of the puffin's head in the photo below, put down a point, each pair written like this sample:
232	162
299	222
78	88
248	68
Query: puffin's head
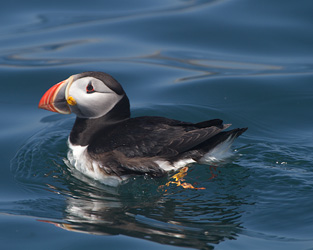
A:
88	95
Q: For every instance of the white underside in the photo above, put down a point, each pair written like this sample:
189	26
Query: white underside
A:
79	160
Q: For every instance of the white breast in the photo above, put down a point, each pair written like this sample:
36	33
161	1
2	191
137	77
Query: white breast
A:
79	160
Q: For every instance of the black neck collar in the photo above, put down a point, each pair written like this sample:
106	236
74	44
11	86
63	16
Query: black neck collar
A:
85	128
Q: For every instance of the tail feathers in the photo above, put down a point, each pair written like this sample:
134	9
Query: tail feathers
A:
221	137
215	122
237	132
219	149
217	146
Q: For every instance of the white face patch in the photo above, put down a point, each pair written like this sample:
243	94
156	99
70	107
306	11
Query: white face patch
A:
92	104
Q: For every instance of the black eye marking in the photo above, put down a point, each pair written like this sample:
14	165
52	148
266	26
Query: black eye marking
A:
89	88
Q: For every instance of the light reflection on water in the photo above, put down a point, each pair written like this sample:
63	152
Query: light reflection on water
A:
140	208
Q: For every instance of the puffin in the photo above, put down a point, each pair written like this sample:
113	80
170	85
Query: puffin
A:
109	145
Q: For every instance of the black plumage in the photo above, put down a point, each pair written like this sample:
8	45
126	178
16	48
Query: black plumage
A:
119	145
133	145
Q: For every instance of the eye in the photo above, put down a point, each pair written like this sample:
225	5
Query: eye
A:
89	88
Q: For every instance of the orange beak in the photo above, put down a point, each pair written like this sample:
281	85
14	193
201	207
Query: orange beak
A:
55	98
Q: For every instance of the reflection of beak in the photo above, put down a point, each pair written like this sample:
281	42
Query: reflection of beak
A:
61	225
55	99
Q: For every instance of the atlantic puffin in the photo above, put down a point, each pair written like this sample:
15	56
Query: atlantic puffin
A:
106	143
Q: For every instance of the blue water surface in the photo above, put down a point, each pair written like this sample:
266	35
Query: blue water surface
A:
249	63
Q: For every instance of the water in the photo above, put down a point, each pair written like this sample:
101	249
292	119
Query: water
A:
247	62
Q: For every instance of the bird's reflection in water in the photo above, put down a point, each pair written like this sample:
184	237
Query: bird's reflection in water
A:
181	217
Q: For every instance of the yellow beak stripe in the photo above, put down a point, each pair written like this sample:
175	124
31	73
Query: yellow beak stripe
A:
71	101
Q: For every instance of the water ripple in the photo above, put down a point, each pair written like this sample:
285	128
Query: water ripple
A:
139	208
48	21
202	64
21	58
